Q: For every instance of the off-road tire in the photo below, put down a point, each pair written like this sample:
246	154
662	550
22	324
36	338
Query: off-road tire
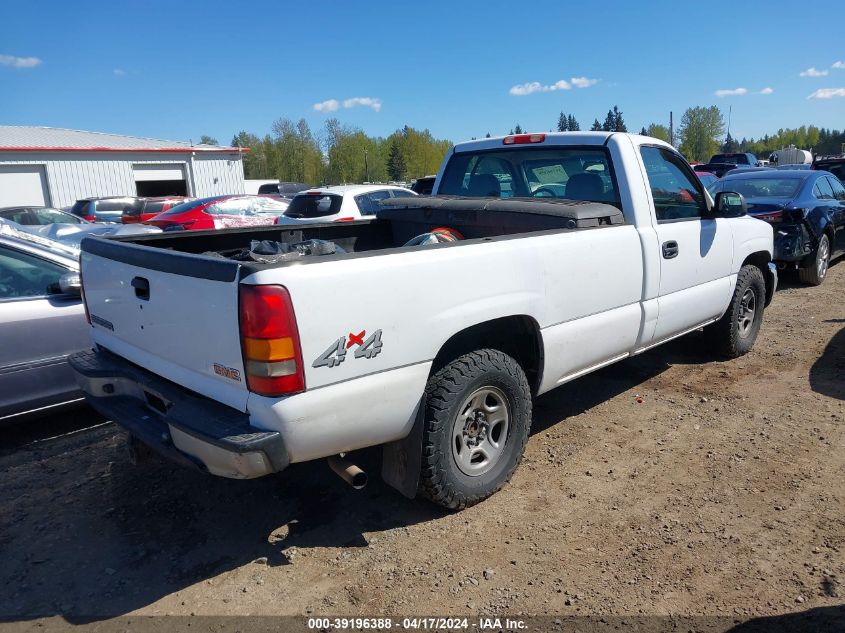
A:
441	479
726	336
816	272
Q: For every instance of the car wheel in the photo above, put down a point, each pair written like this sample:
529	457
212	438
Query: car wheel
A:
815	273
476	424
734	334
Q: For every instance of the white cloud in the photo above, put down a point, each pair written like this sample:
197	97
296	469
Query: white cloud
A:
766	91
520	90
735	92
839	65
369	102
119	72
827	93
19	62
812	72
584	82
327	106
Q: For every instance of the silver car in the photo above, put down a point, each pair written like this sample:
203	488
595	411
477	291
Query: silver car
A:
42	321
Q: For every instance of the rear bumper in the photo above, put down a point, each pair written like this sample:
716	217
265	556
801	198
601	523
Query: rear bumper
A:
181	425
792	244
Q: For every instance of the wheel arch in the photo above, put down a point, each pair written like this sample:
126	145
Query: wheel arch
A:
517	336
761	260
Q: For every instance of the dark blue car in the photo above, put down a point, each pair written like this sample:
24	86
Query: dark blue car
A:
806	210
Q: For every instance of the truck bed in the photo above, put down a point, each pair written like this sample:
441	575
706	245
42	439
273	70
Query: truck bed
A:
399	221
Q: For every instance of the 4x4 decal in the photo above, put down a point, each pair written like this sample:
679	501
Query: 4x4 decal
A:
336	352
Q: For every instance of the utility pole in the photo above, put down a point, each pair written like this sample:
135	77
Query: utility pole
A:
671	130
367	165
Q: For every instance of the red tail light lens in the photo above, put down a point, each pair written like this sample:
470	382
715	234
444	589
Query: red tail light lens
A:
344	220
772	218
90	218
270	341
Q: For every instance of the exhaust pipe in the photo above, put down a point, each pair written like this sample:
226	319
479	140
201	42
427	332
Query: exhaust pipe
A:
348	471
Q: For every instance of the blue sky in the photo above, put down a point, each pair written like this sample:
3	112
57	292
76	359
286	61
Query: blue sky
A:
180	69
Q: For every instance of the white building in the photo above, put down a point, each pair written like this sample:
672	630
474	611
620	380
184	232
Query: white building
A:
56	167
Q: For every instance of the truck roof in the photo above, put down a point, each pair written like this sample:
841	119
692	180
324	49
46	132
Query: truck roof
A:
553	139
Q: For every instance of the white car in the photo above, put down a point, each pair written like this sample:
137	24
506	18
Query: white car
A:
433	349
340	203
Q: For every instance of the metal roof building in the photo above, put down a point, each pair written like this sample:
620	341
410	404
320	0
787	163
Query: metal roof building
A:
56	167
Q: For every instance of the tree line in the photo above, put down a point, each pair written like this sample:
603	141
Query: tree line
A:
339	154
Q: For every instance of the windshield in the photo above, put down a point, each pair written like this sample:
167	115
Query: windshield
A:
730	159
571	173
772	187
311	205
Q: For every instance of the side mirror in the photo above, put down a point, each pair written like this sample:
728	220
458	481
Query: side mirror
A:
70	284
729	204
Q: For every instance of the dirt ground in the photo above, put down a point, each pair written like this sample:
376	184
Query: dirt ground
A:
670	483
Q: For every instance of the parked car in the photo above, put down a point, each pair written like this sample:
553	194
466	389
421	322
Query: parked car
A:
434	349
706	178
745	169
42	321
285	189
39	216
718	169
735	158
108	209
149	208
220	212
806	210
340	203
834	164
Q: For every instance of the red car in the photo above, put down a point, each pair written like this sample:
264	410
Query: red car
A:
149	208
220	212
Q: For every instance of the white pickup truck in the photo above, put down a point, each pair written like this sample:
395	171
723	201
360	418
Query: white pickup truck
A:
428	329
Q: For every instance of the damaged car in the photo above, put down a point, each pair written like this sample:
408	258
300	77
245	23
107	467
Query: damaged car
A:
806	210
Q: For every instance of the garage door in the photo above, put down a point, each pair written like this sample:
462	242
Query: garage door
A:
160	180
22	185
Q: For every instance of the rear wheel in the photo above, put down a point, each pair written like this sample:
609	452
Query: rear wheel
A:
815	273
477	418
734	334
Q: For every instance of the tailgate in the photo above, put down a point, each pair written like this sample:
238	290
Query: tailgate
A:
174	314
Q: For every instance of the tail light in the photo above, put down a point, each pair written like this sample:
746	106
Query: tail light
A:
90	218
774	217
270	341
522	139
344	220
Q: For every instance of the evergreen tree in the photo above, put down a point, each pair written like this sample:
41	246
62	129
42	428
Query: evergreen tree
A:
573	124
596	126
517	129
396	167
208	140
618	121
562	123
730	145
643	132
609	124
488	135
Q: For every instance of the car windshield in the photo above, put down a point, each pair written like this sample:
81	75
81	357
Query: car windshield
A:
54	216
572	173
771	187
189	206
314	205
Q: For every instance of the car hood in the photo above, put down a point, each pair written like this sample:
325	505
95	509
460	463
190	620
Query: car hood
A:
72	234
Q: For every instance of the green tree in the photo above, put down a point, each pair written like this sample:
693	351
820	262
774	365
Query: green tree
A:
699	132
562	123
488	135
596	126
255	159
517	129
573	124
396	167
609	124
618	121
208	140
655	130
643	132
730	145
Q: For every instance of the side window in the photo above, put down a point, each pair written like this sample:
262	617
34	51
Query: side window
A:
822	189
838	189
399	193
23	275
676	195
365	205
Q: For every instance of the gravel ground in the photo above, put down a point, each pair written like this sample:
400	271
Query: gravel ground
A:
671	483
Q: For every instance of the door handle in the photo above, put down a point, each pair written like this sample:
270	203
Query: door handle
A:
142	288
670	249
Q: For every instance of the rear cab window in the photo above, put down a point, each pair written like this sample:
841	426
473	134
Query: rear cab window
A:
574	173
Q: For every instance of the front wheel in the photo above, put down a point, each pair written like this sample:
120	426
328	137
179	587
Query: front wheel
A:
734	334
477	418
815	273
